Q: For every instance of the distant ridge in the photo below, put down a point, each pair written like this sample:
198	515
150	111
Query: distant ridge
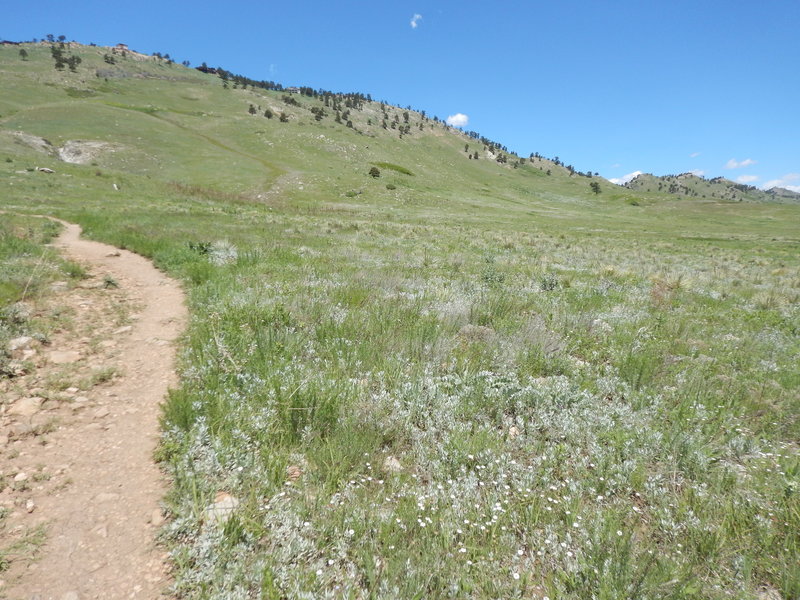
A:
690	185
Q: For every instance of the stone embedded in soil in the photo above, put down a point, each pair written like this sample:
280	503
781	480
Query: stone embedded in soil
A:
293	472
25	407
221	509
22	347
392	465
18	430
63	357
156	518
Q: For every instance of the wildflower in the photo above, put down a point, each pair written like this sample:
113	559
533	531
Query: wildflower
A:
619	533
515	575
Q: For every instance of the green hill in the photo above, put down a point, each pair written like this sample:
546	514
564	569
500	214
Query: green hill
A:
462	377
688	185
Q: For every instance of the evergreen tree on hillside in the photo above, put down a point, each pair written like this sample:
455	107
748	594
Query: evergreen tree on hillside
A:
73	62
58	58
23	54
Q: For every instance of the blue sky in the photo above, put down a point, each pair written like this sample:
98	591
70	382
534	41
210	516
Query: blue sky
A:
611	86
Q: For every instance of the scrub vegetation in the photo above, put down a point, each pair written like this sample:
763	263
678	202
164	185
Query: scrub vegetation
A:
464	378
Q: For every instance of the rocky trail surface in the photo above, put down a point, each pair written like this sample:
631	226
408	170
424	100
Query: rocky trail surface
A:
79	491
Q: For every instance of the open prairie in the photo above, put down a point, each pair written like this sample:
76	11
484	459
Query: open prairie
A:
460	378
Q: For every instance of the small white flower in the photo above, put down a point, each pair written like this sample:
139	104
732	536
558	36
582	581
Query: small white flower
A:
515	575
619	533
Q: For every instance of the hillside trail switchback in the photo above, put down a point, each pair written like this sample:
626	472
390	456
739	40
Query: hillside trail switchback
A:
101	524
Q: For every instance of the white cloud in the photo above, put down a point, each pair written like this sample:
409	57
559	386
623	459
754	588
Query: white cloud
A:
697	172
625	178
694	155
747	178
784	182
735	164
457	120
415	20
616	166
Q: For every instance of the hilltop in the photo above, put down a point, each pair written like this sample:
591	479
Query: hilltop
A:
163	113
689	185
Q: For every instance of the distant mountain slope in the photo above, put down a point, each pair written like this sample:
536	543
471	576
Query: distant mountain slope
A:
123	112
120	111
690	185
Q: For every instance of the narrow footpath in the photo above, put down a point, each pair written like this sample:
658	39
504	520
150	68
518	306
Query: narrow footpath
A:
87	476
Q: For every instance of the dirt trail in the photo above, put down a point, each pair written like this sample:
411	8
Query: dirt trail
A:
103	515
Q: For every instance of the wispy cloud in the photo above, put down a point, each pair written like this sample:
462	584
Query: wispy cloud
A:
457	120
784	182
698	172
694	155
747	178
415	20
735	164
625	178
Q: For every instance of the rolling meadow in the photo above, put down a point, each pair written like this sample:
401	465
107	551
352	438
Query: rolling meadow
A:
458	379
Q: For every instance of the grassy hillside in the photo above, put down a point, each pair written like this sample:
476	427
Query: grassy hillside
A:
457	379
691	186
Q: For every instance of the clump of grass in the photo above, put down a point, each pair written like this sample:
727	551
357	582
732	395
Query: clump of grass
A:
393	167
